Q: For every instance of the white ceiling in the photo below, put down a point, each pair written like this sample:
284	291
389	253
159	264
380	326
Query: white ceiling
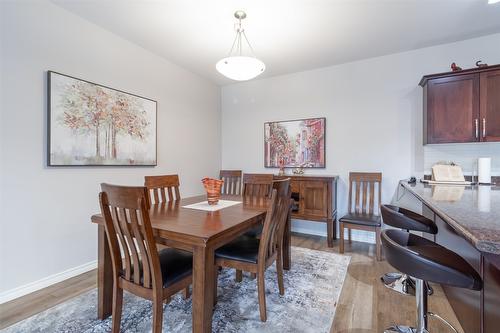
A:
288	35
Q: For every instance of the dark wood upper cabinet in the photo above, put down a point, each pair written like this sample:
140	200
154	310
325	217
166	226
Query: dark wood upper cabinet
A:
490	105
462	106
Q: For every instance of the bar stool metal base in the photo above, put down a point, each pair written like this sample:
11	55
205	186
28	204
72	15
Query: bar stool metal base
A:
402	283
403	329
399	282
421	294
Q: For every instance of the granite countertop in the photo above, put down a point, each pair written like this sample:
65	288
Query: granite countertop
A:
473	211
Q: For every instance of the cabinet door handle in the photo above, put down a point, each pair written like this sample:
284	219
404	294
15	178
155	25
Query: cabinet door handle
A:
476	122
484	127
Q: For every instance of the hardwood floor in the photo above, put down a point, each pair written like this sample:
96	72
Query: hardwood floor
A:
364	305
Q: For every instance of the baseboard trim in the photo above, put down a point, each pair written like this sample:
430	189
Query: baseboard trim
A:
20	291
357	235
308	231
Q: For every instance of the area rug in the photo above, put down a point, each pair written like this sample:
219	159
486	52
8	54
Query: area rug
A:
312	289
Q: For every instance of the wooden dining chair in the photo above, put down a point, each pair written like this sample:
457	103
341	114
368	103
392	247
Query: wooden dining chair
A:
143	271
160	186
232	181
257	185
256	190
255	255
363	211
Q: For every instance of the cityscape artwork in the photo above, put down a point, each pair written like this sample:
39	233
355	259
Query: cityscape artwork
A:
90	124
295	143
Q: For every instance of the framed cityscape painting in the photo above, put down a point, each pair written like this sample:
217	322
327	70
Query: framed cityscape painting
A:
295	143
90	124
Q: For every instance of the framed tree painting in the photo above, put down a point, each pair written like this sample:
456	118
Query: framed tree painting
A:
295	143
90	124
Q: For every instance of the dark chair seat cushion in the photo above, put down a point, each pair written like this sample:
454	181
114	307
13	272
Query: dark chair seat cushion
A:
243	248
362	219
255	232
429	261
175	265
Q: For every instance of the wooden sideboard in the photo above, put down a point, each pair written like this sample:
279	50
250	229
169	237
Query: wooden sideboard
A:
315	199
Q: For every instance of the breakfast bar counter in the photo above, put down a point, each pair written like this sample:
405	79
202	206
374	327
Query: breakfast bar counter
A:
472	211
468	221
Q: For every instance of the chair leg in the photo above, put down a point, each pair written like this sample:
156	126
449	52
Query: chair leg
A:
279	271
157	315
168	300
186	292
253	276
216	278
239	275
117	308
378	245
261	288
349	235
341	243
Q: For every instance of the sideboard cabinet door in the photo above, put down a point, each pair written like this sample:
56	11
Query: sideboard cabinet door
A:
313	198
451	109
490	106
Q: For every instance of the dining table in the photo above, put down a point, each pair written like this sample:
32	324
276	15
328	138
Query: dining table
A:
198	231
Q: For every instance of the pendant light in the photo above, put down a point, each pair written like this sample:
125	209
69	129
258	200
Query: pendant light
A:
237	66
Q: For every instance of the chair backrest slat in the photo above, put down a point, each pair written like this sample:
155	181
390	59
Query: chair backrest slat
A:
372	197
279	207
140	241
120	234
129	231
232	181
362	195
160	186
126	227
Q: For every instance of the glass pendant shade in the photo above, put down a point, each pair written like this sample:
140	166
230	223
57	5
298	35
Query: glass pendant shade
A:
240	68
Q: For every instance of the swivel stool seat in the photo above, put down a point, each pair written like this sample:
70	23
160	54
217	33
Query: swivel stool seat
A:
407	220
426	261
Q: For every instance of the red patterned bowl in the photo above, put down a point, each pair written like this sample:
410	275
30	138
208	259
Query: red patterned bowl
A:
213	187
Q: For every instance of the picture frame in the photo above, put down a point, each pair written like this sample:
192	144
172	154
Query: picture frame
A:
89	124
299	143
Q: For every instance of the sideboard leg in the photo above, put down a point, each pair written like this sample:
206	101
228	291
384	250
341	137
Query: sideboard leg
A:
330	232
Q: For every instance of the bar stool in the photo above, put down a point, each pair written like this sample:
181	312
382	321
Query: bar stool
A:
405	219
426	261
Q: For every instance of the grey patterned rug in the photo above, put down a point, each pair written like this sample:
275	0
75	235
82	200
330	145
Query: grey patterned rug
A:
312	289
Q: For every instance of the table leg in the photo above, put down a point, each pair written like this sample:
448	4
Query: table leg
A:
287	242
203	275
104	275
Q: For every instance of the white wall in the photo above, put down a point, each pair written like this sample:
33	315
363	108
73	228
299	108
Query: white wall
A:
465	155
45	212
373	109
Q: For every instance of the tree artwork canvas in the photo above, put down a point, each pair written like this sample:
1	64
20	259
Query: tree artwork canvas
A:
295	143
90	124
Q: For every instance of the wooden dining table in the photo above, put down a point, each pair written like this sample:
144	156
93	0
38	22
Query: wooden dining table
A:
200	232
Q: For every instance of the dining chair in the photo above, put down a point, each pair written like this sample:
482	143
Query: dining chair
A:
232	181
257	185
160	186
363	210
143	270
256	190
255	255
